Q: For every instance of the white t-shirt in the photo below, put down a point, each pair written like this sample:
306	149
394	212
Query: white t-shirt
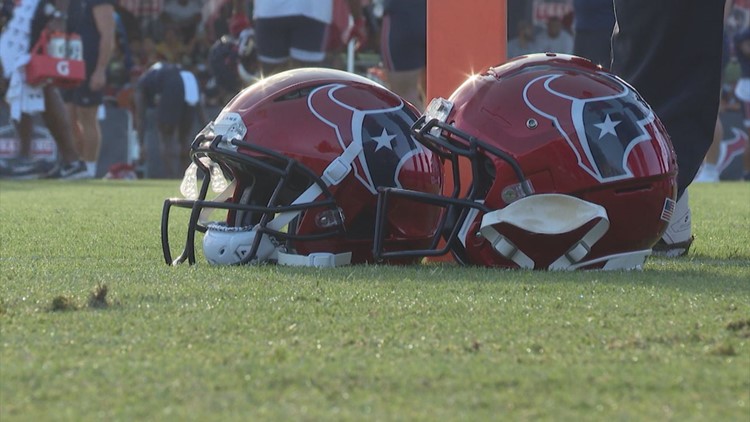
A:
321	10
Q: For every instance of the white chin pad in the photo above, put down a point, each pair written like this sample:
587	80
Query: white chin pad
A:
223	245
547	214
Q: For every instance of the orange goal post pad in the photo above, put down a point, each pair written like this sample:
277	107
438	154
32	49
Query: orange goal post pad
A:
463	37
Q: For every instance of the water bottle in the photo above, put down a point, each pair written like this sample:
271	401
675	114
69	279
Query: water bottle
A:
75	47
56	45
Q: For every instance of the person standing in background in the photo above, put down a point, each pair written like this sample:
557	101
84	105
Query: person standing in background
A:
403	48
94	21
172	95
671	52
292	33
524	42
594	22
20	34
736	15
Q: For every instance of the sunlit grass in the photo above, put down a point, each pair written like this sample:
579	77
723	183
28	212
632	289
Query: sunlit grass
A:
430	342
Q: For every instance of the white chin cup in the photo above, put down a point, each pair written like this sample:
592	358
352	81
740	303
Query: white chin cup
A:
223	245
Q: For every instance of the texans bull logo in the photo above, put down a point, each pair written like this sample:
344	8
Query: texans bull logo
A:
602	131
381	136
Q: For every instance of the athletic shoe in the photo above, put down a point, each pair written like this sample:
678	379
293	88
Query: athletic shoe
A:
26	169
677	239
121	171
707	174
72	171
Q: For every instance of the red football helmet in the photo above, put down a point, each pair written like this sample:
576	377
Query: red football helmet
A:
298	158
570	168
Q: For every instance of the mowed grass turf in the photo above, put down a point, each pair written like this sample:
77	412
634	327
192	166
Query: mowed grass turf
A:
94	326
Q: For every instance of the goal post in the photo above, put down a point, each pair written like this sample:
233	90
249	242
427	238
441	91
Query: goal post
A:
463	37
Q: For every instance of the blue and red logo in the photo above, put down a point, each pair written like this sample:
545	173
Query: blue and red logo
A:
383	133
602	131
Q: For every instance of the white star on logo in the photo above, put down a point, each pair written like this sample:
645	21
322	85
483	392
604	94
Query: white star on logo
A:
607	127
384	140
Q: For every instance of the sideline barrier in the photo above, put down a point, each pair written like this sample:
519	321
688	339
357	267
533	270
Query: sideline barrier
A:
42	145
119	143
117	139
115	147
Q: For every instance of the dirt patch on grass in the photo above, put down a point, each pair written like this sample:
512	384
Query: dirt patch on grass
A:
98	298
63	304
741	328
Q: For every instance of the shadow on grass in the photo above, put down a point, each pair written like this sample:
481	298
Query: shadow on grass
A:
700	273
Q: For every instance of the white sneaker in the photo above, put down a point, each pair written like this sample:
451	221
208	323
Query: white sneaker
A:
678	237
708	173
26	169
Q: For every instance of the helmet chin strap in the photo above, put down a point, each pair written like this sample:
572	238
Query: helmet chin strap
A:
316	259
549	214
336	171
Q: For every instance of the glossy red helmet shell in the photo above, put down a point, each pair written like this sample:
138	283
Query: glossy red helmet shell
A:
568	127
316	144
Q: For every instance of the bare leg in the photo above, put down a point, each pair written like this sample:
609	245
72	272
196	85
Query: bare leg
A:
58	122
166	150
712	156
25	129
709	171
90	133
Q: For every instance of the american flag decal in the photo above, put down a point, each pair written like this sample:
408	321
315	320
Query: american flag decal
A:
668	211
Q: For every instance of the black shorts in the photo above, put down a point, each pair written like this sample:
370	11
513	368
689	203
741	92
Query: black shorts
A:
172	107
82	95
299	37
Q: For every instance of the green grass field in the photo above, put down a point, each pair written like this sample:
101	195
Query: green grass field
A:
94	326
